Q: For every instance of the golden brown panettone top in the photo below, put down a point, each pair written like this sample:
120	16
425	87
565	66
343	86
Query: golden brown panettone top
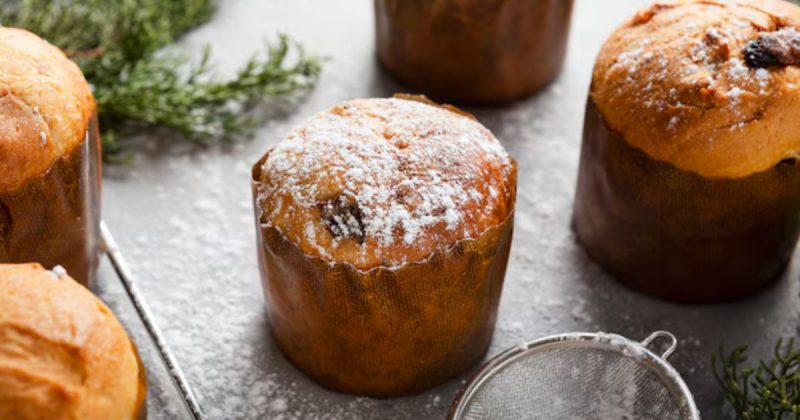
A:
675	82
45	106
63	354
383	182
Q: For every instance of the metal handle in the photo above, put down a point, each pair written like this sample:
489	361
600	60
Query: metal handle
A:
662	334
173	369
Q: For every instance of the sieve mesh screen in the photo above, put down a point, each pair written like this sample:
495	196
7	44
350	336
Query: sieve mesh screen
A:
578	380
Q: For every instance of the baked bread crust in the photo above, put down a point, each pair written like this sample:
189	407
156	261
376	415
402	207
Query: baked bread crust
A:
674	82
385	182
63	354
45	106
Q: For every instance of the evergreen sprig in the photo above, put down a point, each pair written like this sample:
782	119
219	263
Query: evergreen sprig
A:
770	391
118	45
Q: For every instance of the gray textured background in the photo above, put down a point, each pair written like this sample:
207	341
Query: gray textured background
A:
183	217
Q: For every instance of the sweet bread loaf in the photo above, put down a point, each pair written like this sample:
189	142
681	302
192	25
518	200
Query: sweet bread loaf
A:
384	228
49	158
63	354
474	51
689	185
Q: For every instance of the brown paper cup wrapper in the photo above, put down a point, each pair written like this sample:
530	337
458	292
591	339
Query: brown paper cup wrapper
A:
141	413
383	332
473	51
676	234
54	218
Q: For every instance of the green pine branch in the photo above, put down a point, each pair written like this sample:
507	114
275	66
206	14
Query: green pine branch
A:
117	44
768	391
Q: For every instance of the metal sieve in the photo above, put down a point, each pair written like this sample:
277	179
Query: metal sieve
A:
146	316
578	376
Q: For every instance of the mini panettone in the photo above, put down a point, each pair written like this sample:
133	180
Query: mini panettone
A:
477	51
49	158
63	354
384	230
689	186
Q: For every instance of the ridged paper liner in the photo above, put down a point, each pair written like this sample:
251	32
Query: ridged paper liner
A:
141	401
383	332
54	218
676	234
473	51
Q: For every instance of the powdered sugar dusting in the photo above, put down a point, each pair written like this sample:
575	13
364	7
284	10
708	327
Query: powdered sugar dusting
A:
59	272
738	71
696	64
384	172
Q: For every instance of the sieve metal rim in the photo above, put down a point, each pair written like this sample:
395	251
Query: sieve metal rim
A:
611	342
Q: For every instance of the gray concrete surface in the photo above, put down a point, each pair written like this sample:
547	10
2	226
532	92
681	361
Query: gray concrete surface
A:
183	217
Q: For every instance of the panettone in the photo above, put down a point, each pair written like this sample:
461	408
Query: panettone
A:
689	186
49	157
384	231
63	354
475	51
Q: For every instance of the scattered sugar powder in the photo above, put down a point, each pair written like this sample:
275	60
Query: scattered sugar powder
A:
630	61
673	122
278	405
762	75
389	170
59	271
699	50
311	234
711	63
735	93
738	70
